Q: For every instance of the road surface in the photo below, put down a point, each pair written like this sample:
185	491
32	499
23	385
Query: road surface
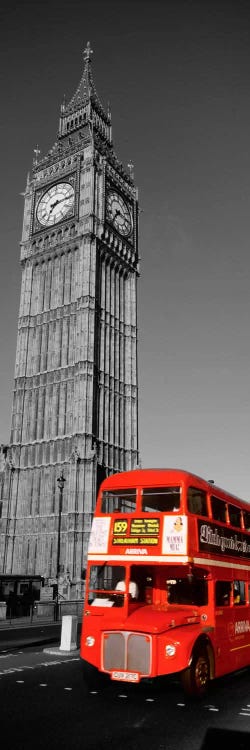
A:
45	703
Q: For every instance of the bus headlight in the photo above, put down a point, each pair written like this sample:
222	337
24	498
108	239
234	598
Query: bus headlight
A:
89	641
170	649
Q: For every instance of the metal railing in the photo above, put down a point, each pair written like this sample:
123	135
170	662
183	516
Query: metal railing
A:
50	611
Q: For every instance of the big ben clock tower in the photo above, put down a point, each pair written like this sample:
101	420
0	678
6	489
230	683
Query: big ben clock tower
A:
75	403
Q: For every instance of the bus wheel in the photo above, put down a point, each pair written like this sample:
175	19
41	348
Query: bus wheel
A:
195	679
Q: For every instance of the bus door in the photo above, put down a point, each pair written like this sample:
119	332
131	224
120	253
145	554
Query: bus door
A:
225	658
241	618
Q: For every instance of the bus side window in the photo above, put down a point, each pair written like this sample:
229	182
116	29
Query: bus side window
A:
222	593
239	592
218	509
234	515
197	502
246	516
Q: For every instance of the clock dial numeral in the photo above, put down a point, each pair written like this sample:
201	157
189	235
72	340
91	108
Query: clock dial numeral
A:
55	204
118	213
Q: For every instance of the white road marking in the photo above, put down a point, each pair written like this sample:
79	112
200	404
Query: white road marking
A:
43	684
140	723
8	671
67	688
20	682
12	670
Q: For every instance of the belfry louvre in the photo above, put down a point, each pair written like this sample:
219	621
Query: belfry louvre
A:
75	401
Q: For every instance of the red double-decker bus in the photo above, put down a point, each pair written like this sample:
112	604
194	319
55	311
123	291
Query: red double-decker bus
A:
168	580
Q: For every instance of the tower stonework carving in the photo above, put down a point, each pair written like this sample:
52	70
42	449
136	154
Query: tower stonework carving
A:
75	401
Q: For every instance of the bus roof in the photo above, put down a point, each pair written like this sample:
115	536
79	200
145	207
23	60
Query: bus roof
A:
159	477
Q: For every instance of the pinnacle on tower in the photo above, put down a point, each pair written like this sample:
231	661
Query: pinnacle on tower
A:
87	52
86	91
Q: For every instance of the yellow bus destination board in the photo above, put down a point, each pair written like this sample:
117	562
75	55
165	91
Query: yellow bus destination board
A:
144	526
136	531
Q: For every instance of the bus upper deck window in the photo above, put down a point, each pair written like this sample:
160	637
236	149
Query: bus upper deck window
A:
234	515
119	501
246	517
197	501
161	499
218	509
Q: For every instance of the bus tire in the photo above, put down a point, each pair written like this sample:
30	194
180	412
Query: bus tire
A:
196	678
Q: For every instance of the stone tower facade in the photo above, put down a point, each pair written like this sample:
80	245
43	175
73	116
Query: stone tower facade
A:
75	402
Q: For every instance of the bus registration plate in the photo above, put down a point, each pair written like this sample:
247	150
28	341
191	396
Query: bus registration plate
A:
125	676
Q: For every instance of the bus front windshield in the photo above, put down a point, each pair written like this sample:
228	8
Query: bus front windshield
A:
104	589
143	584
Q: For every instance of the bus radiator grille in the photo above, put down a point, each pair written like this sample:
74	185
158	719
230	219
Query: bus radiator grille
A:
127	651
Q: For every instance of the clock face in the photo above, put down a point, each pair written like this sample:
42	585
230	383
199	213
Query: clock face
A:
55	204
119	213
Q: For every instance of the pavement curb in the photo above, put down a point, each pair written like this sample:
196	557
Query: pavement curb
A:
57	650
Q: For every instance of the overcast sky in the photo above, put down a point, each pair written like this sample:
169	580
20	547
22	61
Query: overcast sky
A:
177	76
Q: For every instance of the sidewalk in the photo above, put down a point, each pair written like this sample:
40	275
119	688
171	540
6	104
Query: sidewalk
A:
22	633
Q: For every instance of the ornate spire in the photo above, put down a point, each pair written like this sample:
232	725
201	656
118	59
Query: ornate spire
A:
36	152
131	169
86	91
87	52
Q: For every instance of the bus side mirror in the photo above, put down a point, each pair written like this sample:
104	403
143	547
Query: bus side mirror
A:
83	574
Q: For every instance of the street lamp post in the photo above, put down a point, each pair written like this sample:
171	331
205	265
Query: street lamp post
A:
60	481
6	543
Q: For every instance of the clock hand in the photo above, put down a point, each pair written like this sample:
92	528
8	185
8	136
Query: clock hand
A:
67	198
53	205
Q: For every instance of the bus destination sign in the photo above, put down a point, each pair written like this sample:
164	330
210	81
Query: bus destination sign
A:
136	531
